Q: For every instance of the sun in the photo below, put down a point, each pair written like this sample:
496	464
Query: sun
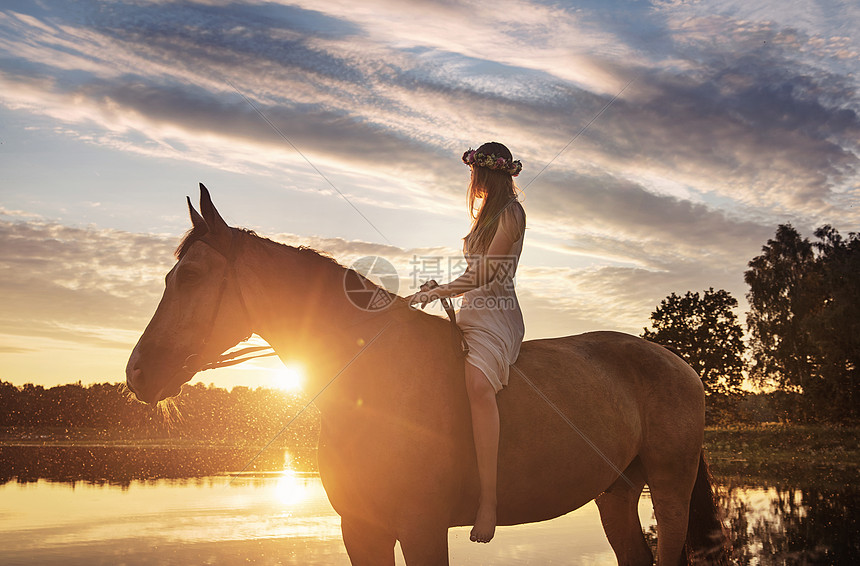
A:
289	378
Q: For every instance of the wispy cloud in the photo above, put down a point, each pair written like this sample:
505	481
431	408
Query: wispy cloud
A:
81	285
353	84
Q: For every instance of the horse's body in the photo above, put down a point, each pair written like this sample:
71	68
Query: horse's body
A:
396	455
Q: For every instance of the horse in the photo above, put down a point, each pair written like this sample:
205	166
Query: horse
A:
595	416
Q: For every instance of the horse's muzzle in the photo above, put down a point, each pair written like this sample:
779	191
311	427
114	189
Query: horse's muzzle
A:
135	380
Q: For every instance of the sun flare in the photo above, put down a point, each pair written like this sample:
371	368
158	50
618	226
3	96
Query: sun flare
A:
288	378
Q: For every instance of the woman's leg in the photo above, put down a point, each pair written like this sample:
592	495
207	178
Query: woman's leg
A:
485	429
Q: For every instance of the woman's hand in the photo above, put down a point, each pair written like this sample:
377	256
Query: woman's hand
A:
424	297
430	291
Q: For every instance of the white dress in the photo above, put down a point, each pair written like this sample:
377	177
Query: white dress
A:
490	315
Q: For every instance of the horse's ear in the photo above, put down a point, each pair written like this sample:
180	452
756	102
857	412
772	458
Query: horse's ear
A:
196	220
217	226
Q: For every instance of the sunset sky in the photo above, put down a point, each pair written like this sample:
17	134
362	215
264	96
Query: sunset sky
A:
731	117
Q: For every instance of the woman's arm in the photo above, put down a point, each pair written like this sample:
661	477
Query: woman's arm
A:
489	264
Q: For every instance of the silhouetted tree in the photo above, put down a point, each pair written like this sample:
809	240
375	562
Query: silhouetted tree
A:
834	325
779	301
707	334
804	320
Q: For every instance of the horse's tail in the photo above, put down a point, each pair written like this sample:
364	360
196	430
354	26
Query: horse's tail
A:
707	540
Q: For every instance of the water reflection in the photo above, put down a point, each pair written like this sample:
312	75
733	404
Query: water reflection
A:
277	518
106	505
168	521
779	525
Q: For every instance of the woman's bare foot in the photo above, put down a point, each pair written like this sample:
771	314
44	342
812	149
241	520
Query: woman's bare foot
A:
485	524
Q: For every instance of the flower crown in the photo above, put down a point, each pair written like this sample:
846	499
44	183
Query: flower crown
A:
509	166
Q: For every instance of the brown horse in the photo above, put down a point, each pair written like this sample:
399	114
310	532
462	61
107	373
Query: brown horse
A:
594	416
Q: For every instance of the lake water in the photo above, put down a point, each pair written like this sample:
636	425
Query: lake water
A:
284	517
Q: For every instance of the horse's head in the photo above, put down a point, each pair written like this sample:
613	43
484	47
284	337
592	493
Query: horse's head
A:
201	313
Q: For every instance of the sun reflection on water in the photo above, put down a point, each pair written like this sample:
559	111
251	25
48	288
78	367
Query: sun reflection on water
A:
291	488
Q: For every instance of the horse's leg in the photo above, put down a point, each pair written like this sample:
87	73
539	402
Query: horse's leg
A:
367	544
619	514
671	476
425	545
671	509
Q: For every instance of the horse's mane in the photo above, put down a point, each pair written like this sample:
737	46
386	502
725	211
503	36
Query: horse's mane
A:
193	235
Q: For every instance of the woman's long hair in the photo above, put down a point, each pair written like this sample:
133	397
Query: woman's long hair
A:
497	190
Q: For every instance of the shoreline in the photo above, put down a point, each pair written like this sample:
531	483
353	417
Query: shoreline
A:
819	455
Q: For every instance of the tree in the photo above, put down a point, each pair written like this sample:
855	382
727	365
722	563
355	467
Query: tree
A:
707	334
804	320
779	299
834	325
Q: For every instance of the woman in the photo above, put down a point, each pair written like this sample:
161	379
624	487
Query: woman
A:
490	315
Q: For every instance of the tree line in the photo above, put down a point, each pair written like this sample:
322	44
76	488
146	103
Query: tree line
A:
239	417
803	332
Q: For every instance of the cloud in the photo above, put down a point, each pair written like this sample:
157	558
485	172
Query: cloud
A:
354	84
15	350
80	285
17	213
622	221
758	131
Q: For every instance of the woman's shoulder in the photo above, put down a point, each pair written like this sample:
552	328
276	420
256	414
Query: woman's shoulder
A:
515	208
514	215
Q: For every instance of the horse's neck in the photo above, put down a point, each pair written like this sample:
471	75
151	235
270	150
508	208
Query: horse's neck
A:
299	306
384	382
397	360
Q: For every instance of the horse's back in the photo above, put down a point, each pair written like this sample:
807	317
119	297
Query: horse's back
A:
612	361
573	417
604	373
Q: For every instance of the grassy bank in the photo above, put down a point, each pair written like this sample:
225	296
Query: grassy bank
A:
817	454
